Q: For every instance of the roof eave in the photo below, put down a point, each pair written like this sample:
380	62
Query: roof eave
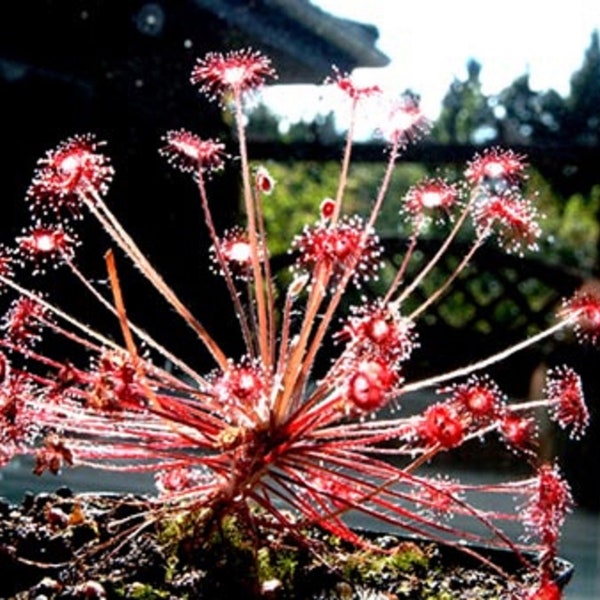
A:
310	38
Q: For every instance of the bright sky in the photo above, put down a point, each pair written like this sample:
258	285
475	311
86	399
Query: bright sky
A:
430	41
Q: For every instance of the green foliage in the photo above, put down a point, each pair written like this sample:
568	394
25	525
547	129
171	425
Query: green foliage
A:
182	526
571	234
570	205
571	227
579	227
279	564
301	188
584	99
465	111
295	201
370	566
145	591
322	130
263	124
524	115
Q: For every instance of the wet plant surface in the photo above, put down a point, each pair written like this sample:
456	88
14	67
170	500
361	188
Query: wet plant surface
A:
61	545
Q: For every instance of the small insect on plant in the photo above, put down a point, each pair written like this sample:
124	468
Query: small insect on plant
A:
261	434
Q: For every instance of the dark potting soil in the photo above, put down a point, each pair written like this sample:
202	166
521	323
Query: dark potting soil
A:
93	546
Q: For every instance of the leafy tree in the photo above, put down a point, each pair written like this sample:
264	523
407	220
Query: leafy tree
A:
571	227
583	121
466	116
525	116
519	115
322	130
263	124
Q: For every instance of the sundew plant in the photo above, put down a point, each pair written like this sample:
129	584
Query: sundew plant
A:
261	431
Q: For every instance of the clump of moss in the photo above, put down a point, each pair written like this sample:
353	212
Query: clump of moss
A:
278	565
407	558
143	591
239	557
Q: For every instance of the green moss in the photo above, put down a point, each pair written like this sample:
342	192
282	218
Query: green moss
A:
441	596
234	557
279	564
234	533
367	565
183	526
144	591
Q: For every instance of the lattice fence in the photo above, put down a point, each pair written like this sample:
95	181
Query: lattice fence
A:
496	291
498	300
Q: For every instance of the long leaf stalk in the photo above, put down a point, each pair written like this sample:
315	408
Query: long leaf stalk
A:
263	321
223	265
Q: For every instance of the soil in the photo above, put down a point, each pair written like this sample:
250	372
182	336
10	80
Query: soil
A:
94	546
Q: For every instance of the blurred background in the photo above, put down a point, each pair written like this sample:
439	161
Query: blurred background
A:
520	75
